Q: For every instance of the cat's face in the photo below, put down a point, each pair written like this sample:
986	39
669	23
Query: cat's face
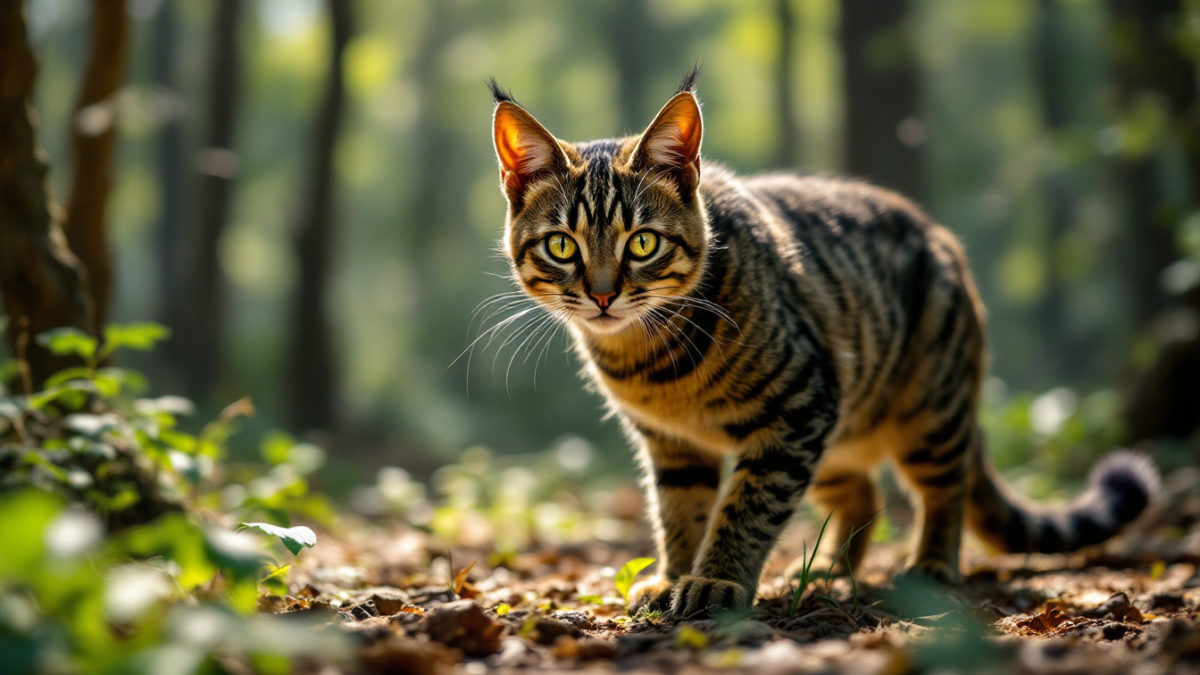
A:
605	234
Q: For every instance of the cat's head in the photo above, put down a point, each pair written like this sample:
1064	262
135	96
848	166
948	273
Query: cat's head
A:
603	232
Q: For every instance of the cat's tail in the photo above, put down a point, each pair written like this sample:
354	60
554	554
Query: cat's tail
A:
1119	489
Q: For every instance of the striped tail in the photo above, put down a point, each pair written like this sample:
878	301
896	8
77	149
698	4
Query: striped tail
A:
1120	488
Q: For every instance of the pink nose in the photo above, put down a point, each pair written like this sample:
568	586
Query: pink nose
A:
602	299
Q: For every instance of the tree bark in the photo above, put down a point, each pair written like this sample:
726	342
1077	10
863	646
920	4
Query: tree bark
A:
1149	63
311	365
169	152
40	279
883	131
93	143
788	153
631	38
1052	89
204	327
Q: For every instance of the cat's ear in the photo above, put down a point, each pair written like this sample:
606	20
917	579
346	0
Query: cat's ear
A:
526	150
672	142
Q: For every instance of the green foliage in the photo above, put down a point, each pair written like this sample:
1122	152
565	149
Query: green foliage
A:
1049	441
502	503
101	503
628	573
806	575
294	538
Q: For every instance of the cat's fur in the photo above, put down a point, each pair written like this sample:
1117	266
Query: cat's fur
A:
809	326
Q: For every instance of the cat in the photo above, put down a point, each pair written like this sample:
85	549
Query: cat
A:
811	326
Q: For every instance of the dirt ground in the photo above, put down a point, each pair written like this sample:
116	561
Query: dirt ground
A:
1132	607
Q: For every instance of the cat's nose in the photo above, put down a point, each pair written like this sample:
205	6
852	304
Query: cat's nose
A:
602	299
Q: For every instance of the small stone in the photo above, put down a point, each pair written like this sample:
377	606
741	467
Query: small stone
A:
388	605
464	625
1168	602
547	630
575	618
1114	631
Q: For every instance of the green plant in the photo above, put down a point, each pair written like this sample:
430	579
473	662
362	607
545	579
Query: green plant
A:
121	514
806	576
625	576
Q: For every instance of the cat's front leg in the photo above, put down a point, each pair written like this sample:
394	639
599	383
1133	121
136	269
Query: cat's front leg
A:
681	487
763	493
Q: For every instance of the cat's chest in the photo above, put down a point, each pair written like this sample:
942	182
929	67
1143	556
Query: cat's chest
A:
677	408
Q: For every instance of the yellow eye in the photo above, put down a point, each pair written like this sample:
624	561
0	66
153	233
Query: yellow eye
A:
560	246
643	244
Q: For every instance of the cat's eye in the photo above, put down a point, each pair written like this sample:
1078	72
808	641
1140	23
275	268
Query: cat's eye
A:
643	244
560	246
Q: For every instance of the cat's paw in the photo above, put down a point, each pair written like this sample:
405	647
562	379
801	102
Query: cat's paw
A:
652	595
938	571
696	597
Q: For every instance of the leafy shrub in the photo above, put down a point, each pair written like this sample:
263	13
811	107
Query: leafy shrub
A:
113	514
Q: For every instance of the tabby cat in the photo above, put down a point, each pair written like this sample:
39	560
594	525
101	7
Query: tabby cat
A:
810	326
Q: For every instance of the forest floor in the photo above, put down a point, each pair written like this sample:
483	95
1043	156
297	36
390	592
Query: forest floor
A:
1133	607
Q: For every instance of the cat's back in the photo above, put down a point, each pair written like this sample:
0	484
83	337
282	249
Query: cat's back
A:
815	203
871	230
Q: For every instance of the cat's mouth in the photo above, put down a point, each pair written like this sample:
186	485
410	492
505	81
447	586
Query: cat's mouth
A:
605	322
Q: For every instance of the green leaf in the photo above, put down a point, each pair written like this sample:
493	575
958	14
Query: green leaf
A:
294	538
687	636
71	397
24	517
276	581
69	342
67	375
140	336
35	458
107	384
627	573
277	447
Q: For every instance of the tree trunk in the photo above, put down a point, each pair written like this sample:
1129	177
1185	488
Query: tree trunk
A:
785	74
631	39
1053	317
883	131
204	327
1149	62
93	142
311	366
169	152
40	279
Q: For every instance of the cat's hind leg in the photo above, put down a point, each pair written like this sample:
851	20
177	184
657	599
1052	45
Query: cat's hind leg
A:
935	465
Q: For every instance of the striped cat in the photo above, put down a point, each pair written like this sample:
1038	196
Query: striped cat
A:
809	326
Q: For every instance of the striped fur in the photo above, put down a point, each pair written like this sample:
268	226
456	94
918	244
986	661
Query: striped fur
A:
809	326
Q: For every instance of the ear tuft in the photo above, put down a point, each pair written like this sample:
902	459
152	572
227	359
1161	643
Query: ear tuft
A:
499	93
688	83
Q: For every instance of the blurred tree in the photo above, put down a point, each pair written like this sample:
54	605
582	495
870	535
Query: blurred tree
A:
1164	401
882	89
788	152
631	37
1155	72
40	279
311	368
202	323
1052	79
1153	76
164	59
93	132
